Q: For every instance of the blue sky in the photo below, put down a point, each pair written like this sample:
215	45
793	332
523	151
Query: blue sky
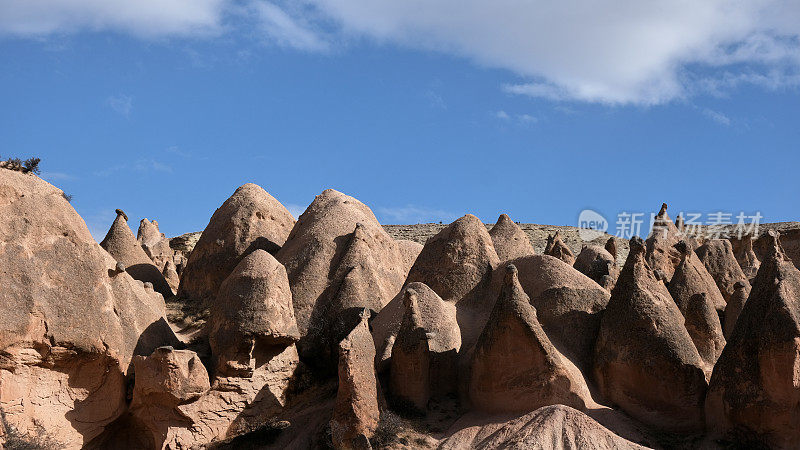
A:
424	111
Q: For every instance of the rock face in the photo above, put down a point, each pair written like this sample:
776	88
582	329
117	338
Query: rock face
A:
717	255
438	319
755	387
339	260
558	249
747	258
170	274
733	309
555	427
598	264
424	353
515	368
356	413
154	243
510	242
645	361
123	246
458	263
661	252
568	304
253	309
70	322
409	250
250	219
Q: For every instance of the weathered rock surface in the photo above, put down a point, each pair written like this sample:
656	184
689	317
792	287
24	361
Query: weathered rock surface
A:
253	308
755	388
438	319
356	413
733	309
747	259
515	367
70	322
424	353
555	427
458	263
661	253
250	219
154	243
717	256
568	304
510	242
339	260
557	249
598	264
409	250
645	360
123	246
170	274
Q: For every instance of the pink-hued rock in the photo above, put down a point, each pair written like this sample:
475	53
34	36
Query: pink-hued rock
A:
661	253
515	367
645	361
733	309
755	387
409	250
154	243
356	413
598	264
747	259
717	256
510	242
558	249
123	246
70	321
250	219
171	275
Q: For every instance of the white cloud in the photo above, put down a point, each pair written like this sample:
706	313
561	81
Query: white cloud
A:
121	103
286	30
717	116
413	214
608	51
502	115
56	176
146	18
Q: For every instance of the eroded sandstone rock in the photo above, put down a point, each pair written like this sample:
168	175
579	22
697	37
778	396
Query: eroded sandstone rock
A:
154	243
747	259
717	256
598	264
558	249
510	242
661	253
733	309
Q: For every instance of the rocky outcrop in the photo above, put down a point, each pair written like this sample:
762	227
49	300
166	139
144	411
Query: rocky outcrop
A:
356	413
755	388
569	305
154	243
438	319
170	274
733	309
70	322
661	253
717	256
424	353
510	242
598	264
250	219
458	263
554	427
645	360
557	249
123	246
747	259
515	368
409	250
339	260
253	309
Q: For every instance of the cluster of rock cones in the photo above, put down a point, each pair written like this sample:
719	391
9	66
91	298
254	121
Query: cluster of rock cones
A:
327	332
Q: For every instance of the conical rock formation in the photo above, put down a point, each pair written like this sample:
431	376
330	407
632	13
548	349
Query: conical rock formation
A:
558	249
170	274
154	243
598	264
510	242
70	322
123	246
755	387
356	412
250	219
717	256
645	361
515	367
733	309
747	259
661	252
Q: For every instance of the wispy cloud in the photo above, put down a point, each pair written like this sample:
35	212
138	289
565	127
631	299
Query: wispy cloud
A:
523	119
57	176
122	104
502	115
286	30
295	210
716	116
413	214
99	221
144	165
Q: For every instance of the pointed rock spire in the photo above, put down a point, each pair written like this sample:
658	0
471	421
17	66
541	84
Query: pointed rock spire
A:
515	367
661	253
557	248
253	307
154	243
747	259
733	309
645	360
510	242
123	246
755	384
410	380
598	264
611	247
356	411
250	219
717	256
